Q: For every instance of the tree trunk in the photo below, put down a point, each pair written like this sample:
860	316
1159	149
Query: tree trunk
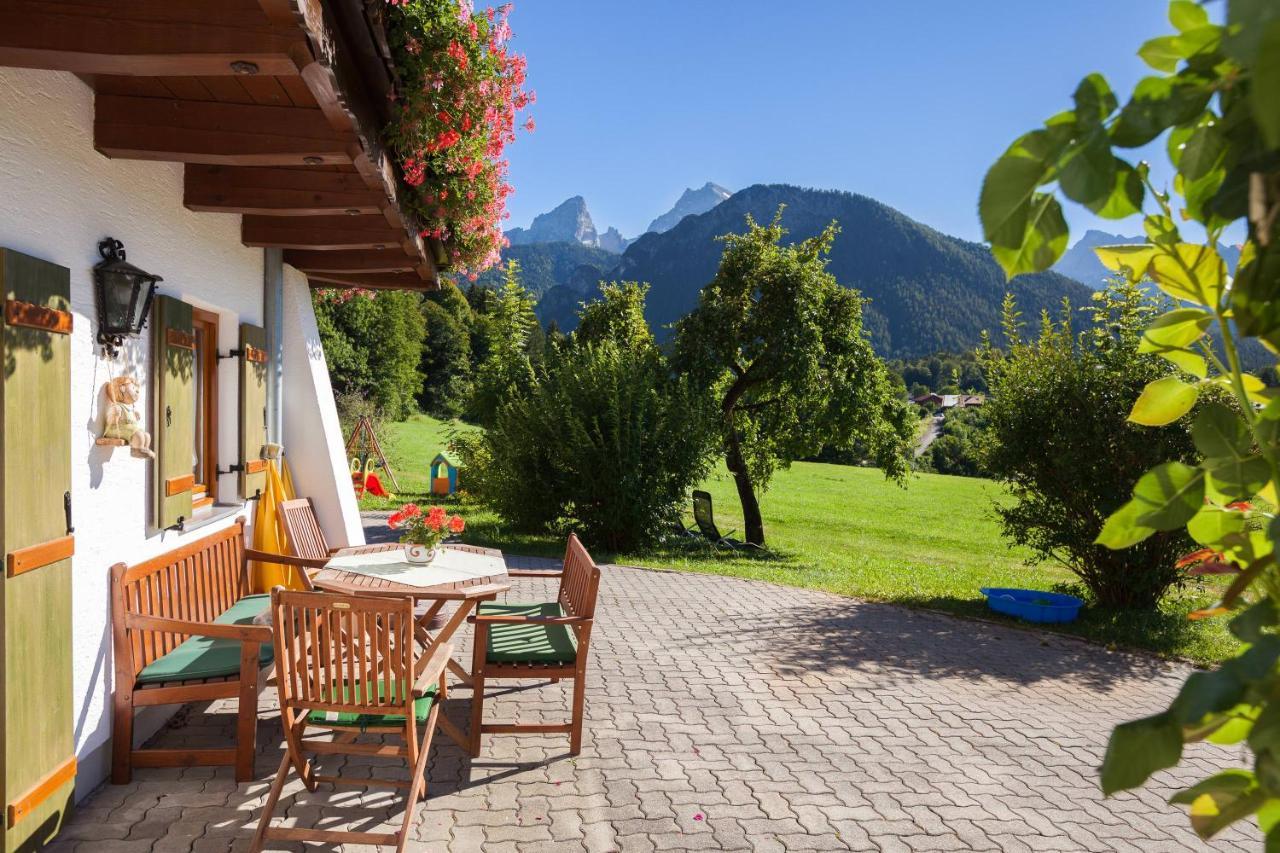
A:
751	519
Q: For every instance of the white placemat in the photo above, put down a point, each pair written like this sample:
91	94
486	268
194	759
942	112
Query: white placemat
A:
449	566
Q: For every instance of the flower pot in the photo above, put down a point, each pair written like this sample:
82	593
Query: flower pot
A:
419	554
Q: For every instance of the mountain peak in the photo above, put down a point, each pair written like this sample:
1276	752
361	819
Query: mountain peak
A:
690	203
567	222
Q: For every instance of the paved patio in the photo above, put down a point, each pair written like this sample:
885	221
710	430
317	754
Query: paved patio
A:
731	715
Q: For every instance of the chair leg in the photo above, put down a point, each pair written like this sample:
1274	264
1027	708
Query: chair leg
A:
273	796
418	782
477	709
122	744
247	713
579	706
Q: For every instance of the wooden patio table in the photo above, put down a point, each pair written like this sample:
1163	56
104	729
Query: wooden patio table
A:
463	574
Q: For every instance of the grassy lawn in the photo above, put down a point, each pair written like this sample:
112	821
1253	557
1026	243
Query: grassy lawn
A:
846	530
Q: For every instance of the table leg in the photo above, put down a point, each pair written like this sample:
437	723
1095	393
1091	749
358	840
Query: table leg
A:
431	643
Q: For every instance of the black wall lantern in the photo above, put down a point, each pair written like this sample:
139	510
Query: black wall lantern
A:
124	296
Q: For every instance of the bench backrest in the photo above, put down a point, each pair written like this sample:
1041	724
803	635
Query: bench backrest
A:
347	654
302	532
197	582
580	581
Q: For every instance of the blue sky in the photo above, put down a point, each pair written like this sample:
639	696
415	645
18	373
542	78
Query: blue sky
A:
906	101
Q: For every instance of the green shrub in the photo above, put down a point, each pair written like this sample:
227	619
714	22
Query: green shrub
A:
1060	438
373	345
605	442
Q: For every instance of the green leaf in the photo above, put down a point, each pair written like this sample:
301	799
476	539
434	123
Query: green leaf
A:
1189	271
1169	495
1265	93
1122	529
1088	173
1268	817
1227	780
1213	812
1248	21
1157	104
1164	401
1094	101
1233	730
1198	150
1125	198
1005	203
1185	360
1161	230
1238	479
1206	693
1177	328
1131	260
1219	432
1043	243
1212	523
1186	15
1248	624
1139	748
1161	53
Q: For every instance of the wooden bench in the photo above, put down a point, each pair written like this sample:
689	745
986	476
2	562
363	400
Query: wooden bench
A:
183	630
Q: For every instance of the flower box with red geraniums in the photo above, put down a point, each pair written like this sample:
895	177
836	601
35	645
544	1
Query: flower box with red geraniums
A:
457	90
424	531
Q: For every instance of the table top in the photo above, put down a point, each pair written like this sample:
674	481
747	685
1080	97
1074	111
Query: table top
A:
455	567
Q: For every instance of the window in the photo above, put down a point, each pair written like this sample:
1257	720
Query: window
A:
204	456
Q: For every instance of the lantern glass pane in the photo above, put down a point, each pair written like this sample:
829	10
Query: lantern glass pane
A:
119	295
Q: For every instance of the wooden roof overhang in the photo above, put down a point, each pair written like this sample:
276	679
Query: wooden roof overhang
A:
274	108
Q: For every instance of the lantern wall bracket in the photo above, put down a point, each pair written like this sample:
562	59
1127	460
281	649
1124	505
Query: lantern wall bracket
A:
124	294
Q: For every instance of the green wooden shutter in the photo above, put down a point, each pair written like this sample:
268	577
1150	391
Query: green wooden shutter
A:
35	443
174	364
253	409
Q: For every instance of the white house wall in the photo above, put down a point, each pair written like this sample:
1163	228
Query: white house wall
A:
58	198
313	437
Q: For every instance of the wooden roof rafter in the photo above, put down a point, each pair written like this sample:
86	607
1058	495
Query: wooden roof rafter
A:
274	106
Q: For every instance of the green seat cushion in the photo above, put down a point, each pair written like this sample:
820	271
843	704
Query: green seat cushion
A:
530	643
211	657
421	709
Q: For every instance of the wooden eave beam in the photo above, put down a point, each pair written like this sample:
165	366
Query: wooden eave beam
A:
374	281
151	38
322	232
277	191
216	133
351	261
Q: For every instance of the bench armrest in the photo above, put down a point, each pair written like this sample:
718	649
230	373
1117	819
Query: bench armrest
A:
533	573
503	619
433	669
243	633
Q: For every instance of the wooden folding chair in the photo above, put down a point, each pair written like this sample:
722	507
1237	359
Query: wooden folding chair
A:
348	665
306	540
547	640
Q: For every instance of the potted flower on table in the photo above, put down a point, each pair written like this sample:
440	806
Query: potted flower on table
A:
422	532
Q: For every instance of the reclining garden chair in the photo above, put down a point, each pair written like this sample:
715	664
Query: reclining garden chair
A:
306	540
348	665
705	520
547	640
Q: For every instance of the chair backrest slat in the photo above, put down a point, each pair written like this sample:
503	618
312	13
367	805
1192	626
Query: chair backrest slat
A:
349	654
196	582
302	532
580	580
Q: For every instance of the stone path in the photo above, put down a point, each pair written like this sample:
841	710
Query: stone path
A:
731	715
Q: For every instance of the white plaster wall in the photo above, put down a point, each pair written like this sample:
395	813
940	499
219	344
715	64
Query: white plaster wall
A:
58	198
313	439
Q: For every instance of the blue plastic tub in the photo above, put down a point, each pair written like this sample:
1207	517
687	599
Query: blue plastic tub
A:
1033	605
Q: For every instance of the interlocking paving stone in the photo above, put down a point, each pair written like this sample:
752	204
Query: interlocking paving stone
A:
725	714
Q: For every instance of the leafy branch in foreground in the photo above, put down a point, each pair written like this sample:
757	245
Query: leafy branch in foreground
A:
1216	98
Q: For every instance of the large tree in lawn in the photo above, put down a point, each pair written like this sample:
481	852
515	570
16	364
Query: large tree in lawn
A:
779	342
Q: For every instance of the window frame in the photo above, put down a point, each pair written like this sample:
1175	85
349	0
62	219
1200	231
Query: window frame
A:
205	326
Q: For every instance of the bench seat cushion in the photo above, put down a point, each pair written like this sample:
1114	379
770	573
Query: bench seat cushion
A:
210	657
342	719
529	643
